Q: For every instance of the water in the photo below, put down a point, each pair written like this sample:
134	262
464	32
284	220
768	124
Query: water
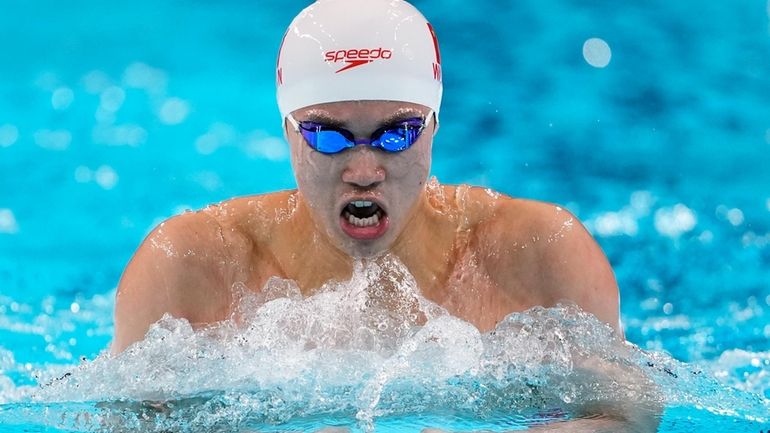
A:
359	351
659	145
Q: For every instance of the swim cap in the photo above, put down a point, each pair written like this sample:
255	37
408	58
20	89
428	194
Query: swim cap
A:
349	50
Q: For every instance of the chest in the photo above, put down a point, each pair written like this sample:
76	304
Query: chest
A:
472	293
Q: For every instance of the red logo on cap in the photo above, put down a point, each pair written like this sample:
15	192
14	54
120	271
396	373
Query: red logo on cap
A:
357	57
278	70
437	63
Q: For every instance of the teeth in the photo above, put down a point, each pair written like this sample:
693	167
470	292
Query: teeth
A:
362	203
362	222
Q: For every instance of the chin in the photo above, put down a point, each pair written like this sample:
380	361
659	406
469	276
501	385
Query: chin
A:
364	249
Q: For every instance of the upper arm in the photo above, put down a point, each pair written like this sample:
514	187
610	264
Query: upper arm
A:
178	269
549	256
573	266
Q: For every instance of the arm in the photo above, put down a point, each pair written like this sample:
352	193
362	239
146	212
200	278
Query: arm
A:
543	255
573	267
179	270
549	250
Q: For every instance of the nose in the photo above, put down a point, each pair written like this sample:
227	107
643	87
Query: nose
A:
363	168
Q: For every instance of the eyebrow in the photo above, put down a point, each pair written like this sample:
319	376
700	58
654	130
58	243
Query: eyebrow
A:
321	117
326	119
403	114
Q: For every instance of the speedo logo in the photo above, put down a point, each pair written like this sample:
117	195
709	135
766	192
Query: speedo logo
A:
357	57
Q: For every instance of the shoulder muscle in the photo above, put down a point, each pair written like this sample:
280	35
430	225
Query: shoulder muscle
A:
547	247
179	264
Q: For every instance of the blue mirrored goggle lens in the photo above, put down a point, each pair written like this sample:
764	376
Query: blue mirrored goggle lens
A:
328	139
325	139
398	139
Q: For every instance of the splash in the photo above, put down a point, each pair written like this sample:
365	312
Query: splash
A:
366	354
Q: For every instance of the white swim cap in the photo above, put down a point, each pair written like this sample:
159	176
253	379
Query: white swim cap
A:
349	50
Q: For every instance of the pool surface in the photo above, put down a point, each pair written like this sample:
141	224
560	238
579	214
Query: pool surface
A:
649	122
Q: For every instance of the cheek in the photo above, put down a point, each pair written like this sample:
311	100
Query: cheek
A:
411	169
314	174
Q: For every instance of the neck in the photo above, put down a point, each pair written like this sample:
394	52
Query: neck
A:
425	246
316	260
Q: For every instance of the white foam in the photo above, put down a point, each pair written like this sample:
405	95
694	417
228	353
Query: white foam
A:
362	349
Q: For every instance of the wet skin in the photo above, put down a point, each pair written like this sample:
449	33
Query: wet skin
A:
479	254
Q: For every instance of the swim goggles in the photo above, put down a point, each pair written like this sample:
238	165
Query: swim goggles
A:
328	139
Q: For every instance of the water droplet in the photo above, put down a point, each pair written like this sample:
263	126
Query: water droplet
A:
735	216
53	140
675	221
174	111
106	177
8	135
62	98
597	52
8	222
83	174
111	99
668	308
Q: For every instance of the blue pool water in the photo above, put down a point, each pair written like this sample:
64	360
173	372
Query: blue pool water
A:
114	117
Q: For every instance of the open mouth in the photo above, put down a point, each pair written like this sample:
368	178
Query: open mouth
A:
363	219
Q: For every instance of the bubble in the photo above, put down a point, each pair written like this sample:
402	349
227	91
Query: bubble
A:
120	135
706	237
75	307
174	111
207	144
597	52
641	202
95	82
47	81
62	98
140	75
675	221
106	177
219	134
111	99
209	180
260	145
8	222
650	304
8	135
615	223
83	174
735	216
53	140
668	308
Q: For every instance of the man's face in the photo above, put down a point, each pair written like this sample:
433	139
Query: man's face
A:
341	185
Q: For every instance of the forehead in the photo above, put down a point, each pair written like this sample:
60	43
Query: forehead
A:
362	111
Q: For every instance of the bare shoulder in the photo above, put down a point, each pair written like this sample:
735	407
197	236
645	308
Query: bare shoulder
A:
178	269
547	248
186	265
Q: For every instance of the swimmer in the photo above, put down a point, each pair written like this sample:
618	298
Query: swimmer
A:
359	89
